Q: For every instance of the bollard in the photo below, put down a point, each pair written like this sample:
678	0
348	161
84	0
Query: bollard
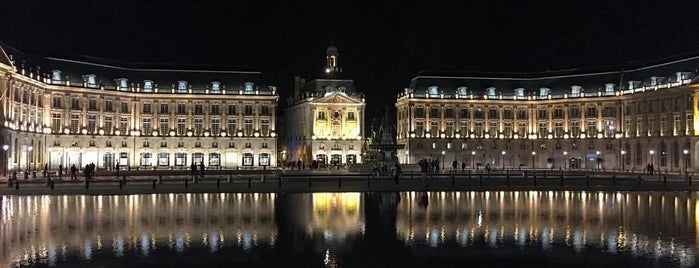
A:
368	181
16	185
229	178
664	179
614	180
195	179
218	183
534	179
123	178
121	184
262	177
160	179
588	180
52	182
639	180
186	183
280	181
249	182
154	182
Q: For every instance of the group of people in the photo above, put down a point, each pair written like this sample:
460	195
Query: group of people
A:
88	172
194	169
650	169
429	166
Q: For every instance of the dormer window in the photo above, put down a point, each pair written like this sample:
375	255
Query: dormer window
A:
342	89
656	80
215	87
147	86
490	91
181	86
248	87
519	92
608	88
682	76
433	91
544	92
56	77
575	91
634	84
122	84
462	91
90	80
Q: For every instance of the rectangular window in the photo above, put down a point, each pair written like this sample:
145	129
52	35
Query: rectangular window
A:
508	114
124	125
92	123
215	110
264	110
146	126
558	113
164	108
92	105
124	144
591	111
543	114
522	129
108	124
434	113
215	126
449	113
56	122
543	129
321	115
181	108
57	102
463	113
164	124
180	144
248	110
591	129
146	108
264	127
350	116
198	109
478	131
198	126
493	128
463	128
574	112
75	104
507	129
74	123
109	106
419	112
181	126
449	129
434	129
419	128
558	129
493	114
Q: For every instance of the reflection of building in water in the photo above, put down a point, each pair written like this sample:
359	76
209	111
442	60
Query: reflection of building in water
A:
44	228
649	223
336	214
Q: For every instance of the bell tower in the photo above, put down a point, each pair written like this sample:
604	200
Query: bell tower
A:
331	59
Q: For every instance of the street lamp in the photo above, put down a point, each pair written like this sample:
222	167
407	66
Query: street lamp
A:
651	152
623	160
48	163
443	152
533	163
7	158
473	159
686	160
565	160
598	160
502	159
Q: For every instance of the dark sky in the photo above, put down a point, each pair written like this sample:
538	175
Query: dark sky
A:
383	44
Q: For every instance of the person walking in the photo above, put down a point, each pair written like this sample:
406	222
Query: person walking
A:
454	166
73	173
201	166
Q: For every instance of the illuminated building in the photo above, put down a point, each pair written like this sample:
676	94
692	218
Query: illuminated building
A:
63	112
569	119
325	118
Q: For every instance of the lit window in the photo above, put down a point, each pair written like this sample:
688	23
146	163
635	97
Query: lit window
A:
147	86
56	77
216	87
90	80
248	87
181	86
123	84
433	91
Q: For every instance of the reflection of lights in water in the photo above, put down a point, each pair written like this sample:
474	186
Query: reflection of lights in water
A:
87	249
577	241
329	260
213	243
493	238
118	246
546	239
247	241
462	237
179	243
52	255
145	245
612	242
433	238
327	235
479	221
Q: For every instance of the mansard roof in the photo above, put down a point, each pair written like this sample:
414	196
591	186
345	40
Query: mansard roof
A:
558	82
164	75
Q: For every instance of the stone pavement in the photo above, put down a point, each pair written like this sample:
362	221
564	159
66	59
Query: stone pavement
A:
344	181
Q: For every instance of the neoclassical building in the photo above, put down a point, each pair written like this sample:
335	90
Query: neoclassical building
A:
60	111
573	119
325	118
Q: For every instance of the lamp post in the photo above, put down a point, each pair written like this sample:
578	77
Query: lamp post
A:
533	163
443	152
502	159
623	160
7	158
598	160
48	163
565	160
473	159
651	152
686	160
407	156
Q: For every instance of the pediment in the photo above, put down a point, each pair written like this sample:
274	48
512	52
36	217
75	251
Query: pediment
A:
337	97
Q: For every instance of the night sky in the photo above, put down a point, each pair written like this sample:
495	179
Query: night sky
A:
383	44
